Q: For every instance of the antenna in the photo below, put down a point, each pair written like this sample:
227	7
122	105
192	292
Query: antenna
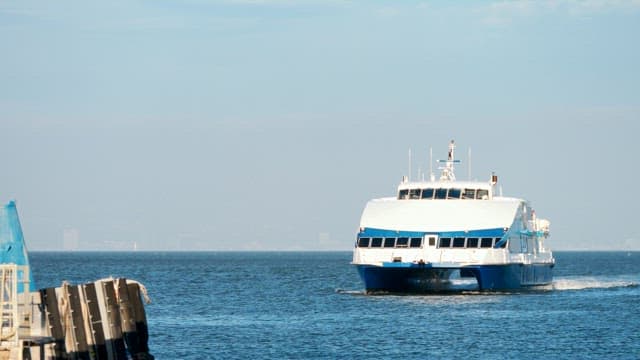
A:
419	169
469	160
409	164
431	177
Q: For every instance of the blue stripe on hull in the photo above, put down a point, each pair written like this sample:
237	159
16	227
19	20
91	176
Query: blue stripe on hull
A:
428	279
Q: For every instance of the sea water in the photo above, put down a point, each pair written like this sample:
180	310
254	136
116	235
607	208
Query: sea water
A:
311	305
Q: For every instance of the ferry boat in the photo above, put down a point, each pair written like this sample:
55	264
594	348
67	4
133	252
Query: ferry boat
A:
445	234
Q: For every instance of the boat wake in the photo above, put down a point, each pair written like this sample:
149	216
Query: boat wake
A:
459	286
559	284
351	292
583	283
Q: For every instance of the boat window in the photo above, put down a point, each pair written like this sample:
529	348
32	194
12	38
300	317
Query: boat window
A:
414	194
514	246
458	242
376	242
482	194
454	194
427	193
403	194
389	242
432	241
363	242
402	242
472	242
441	194
445	242
416	242
503	245
469	194
486	242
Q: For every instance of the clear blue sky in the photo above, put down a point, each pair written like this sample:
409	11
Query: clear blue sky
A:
269	124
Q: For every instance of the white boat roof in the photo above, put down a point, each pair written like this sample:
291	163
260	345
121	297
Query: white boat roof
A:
439	215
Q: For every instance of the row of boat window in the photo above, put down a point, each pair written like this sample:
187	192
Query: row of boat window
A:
416	242
468	243
390	242
443	194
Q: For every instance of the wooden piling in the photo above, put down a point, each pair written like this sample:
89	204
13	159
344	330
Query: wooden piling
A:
140	319
127	318
52	313
105	320
95	321
79	348
114	342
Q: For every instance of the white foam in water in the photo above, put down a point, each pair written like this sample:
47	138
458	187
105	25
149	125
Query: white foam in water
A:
559	284
350	292
581	283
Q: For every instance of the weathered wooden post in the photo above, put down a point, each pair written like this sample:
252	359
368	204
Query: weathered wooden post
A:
113	330
95	321
52	312
141	322
76	338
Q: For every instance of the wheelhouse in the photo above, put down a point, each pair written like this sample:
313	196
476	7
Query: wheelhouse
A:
445	191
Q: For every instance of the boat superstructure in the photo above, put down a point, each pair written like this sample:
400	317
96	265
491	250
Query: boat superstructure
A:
433	232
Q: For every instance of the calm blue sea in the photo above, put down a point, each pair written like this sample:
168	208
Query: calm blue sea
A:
309	305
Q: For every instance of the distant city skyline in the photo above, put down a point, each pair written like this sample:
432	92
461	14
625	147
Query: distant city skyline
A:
267	125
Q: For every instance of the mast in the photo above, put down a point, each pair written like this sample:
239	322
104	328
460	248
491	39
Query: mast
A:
447	170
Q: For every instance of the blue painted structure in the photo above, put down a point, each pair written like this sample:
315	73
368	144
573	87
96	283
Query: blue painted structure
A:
12	247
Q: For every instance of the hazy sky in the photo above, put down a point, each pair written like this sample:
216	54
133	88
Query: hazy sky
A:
269	124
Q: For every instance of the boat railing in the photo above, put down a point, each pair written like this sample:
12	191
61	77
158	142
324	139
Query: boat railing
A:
14	285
